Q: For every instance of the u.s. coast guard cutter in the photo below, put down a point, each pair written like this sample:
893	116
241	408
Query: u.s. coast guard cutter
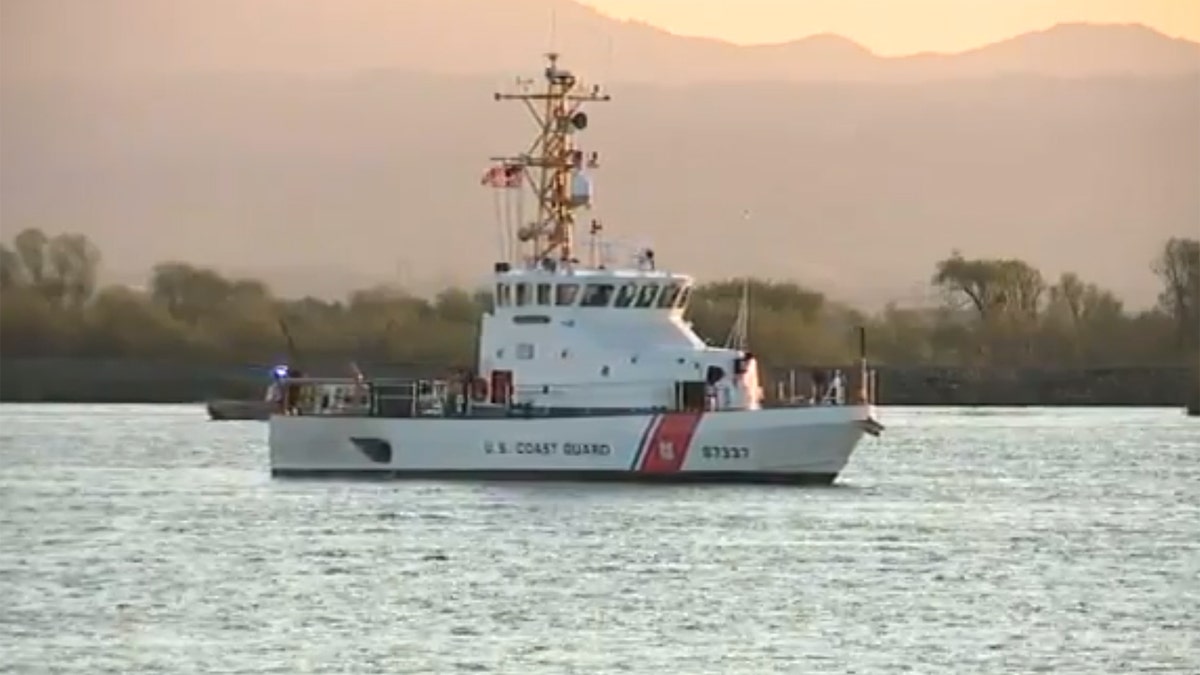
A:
585	371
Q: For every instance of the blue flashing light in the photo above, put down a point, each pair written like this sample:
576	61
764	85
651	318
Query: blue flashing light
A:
280	372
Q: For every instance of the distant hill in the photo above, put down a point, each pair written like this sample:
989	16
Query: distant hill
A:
88	37
326	143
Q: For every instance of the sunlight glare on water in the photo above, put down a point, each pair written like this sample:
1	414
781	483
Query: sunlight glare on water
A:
139	539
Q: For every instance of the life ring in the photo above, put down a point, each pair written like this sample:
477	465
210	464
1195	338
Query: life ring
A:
479	389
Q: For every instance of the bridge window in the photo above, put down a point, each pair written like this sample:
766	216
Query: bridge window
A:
523	295
684	296
625	295
670	294
524	350
543	294
597	295
503	295
566	294
647	295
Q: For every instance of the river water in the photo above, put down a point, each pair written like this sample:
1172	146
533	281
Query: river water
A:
146	539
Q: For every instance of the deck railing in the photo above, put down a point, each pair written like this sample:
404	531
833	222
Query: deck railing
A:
815	386
414	397
338	396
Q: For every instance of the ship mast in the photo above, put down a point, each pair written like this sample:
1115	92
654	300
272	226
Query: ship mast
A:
552	161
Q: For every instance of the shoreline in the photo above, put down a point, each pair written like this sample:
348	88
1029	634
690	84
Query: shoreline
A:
136	381
965	406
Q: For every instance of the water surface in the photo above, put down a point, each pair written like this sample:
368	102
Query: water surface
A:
139	539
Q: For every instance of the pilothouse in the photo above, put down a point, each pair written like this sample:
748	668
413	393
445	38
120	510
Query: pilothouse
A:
605	339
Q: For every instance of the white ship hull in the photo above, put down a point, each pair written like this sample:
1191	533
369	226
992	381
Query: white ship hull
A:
792	445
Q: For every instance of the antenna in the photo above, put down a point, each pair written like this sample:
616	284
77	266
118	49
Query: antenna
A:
558	183
739	334
596	258
553	27
501	227
293	353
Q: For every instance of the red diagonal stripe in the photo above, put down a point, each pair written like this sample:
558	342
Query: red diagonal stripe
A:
643	441
668	445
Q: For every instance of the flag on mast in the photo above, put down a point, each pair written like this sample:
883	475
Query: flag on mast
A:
502	176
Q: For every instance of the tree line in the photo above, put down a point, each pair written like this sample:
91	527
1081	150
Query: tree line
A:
992	313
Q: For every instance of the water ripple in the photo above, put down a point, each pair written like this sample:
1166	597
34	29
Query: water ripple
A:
139	539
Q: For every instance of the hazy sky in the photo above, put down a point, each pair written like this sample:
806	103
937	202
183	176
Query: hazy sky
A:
892	27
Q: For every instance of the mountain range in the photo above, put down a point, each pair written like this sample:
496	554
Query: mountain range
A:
325	143
87	37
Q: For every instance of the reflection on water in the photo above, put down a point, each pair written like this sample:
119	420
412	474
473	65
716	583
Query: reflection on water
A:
147	539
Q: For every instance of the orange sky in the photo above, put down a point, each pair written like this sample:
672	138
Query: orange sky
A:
893	27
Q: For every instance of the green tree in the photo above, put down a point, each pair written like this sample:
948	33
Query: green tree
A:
1178	267
31	326
997	313
188	293
62	269
1086	319
455	305
31	245
1006	294
995	288
124	322
11	273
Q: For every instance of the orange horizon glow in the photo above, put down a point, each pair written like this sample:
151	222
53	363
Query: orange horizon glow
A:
898	27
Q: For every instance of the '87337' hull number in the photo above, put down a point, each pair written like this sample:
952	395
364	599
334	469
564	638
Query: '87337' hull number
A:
724	452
